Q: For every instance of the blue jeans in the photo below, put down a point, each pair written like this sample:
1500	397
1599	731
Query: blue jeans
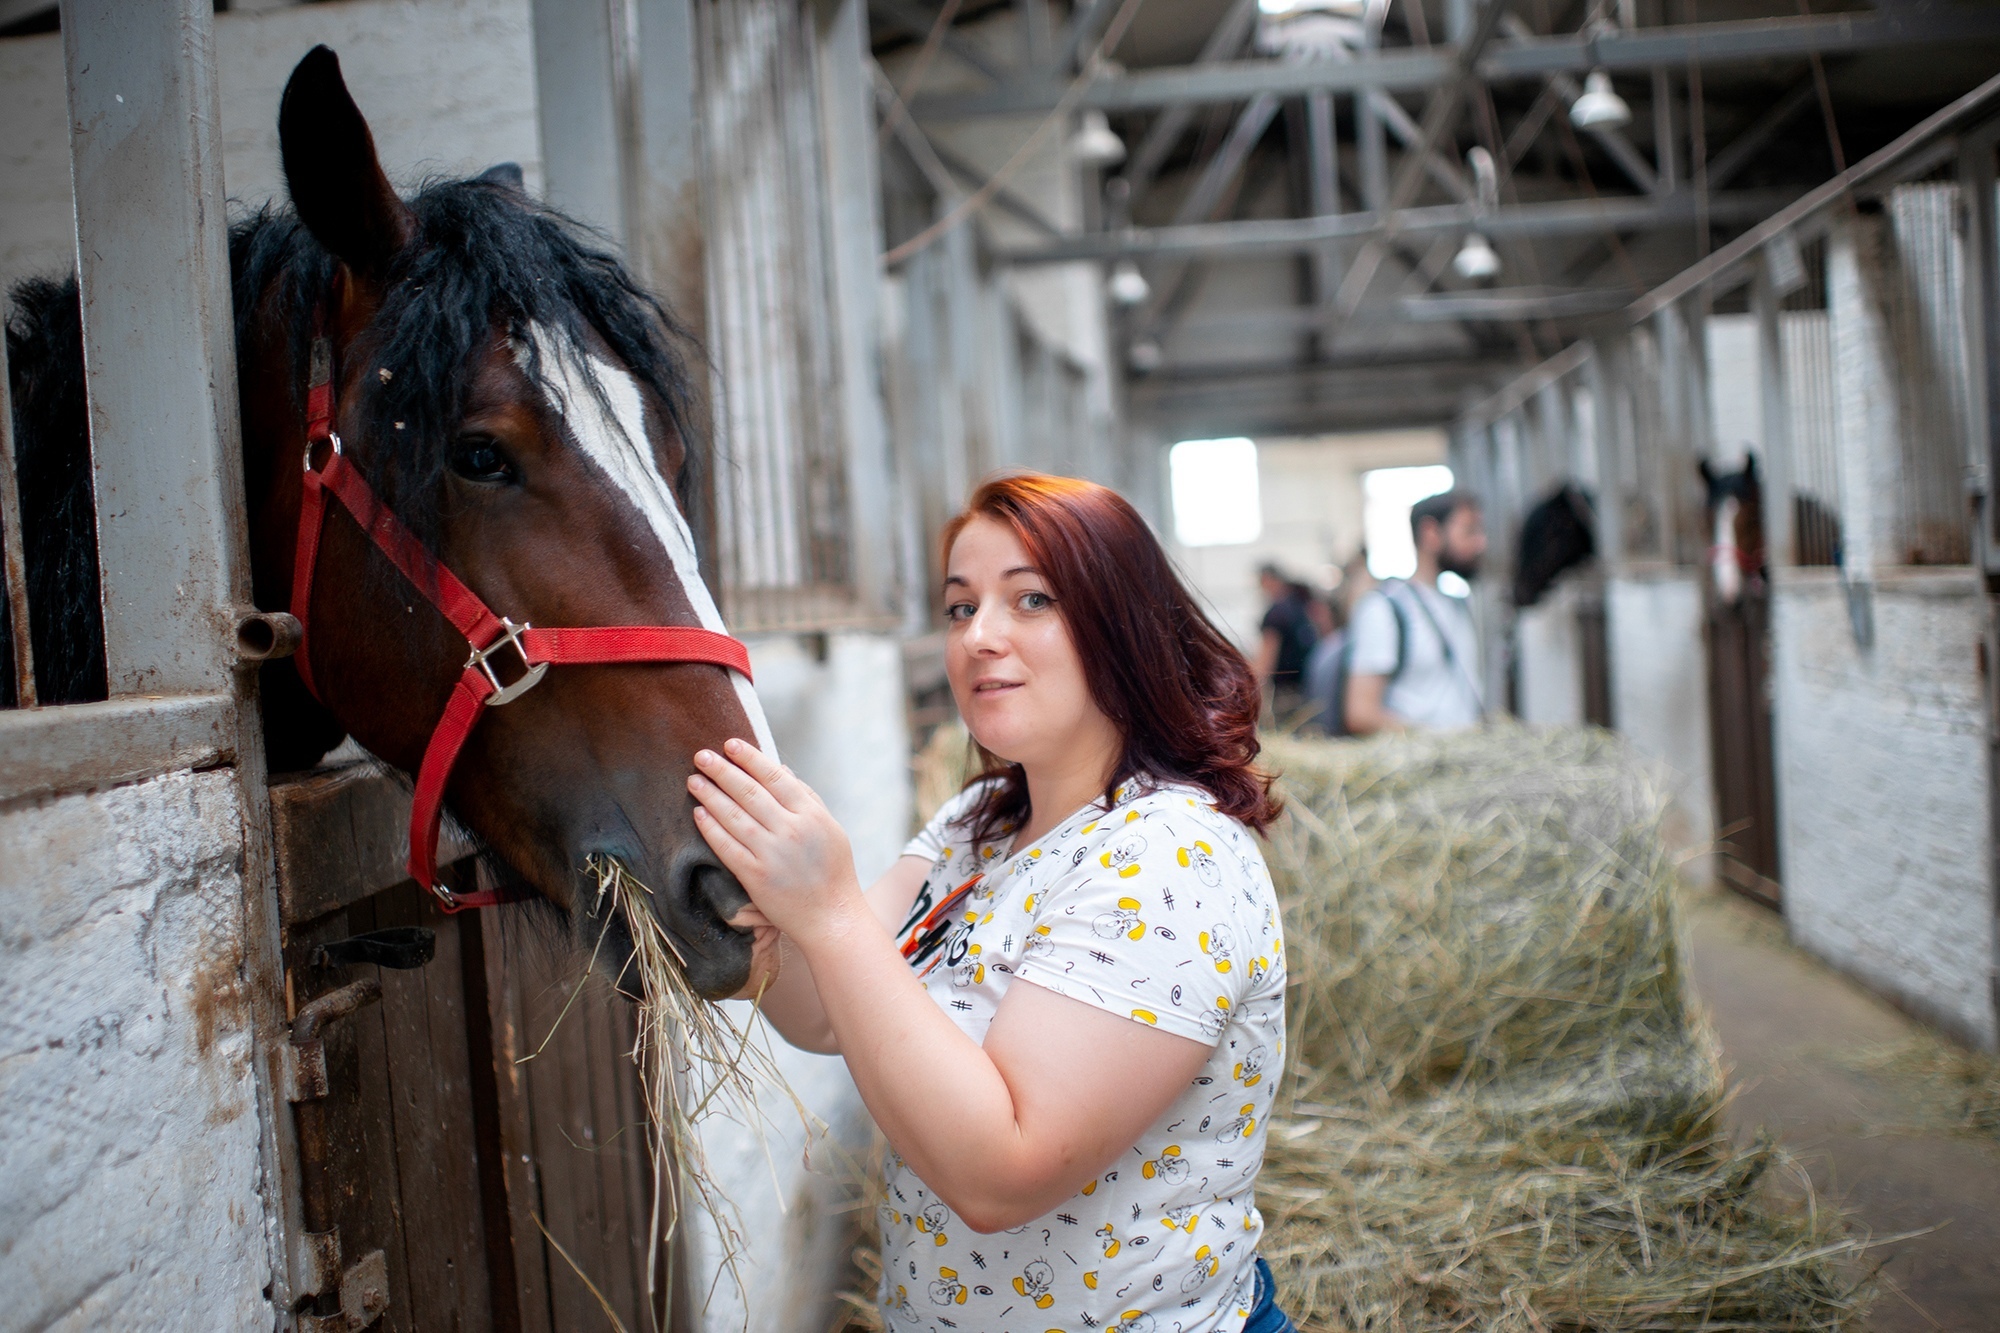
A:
1265	1316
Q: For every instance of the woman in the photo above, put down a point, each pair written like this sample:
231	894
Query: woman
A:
1078	1151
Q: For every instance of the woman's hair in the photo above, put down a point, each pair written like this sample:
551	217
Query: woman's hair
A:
1180	694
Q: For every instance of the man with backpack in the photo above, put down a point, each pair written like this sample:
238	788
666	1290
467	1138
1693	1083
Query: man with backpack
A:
1412	658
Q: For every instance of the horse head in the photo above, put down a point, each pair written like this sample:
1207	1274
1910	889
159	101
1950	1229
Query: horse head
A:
1557	535
518	403
1736	512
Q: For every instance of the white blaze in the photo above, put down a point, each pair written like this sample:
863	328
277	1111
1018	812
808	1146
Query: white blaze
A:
1723	557
612	432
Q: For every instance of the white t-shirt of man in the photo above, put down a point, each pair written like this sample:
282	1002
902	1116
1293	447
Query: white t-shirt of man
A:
1436	689
1158	910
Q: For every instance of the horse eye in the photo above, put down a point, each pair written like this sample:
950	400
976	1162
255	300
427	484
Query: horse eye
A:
479	458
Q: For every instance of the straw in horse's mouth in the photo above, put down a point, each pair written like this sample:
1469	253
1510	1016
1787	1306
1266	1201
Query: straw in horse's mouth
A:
693	1062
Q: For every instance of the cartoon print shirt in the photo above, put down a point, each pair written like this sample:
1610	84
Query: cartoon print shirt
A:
1161	911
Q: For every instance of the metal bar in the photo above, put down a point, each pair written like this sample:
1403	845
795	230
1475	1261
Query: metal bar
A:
1004	199
1172	122
1408	133
1982	322
584	150
1502	304
1666	154
159	355
13	554
1228	160
88	747
1722	168
916	20
1774	405
1323	186
1711	44
1567	217
1084	21
160	370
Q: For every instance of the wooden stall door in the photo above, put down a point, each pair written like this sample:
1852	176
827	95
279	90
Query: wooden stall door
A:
1740	726
482	1132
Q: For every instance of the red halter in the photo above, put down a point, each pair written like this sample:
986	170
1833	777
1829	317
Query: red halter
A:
486	633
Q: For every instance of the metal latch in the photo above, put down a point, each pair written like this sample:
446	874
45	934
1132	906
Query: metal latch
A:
304	1056
364	1297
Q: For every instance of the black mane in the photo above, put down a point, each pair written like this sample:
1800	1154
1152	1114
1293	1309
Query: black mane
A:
486	257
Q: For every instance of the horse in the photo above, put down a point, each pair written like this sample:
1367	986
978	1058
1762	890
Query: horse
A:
518	403
1557	535
1736	519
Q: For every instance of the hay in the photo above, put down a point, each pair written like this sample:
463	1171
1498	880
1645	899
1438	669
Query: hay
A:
1499	1112
693	1063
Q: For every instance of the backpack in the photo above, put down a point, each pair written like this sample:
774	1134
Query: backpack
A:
1333	706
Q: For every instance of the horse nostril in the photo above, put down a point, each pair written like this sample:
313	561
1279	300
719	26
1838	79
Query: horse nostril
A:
719	889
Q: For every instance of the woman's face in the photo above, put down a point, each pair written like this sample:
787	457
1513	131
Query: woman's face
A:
1014	671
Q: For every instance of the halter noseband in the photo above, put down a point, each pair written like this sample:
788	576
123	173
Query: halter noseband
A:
488	635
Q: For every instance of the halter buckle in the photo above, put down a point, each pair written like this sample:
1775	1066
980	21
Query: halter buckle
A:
532	674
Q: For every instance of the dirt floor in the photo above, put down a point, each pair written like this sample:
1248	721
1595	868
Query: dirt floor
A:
1892	1123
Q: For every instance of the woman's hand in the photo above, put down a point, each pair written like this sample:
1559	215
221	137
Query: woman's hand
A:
777	837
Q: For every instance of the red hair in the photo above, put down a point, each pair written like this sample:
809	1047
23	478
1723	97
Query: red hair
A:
1180	694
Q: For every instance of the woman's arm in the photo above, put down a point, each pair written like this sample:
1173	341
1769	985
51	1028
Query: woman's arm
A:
1001	1132
791	1000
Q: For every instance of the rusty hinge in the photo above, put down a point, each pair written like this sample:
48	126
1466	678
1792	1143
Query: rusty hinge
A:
364	1297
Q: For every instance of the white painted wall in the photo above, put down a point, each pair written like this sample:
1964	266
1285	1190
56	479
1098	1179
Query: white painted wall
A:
1311	496
130	1166
448	87
1659	689
1884	794
1549	660
840	726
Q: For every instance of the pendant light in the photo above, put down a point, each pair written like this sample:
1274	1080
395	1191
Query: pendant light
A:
1094	144
1476	259
1128	286
1599	108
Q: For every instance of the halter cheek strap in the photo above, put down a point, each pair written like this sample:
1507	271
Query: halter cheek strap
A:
487	635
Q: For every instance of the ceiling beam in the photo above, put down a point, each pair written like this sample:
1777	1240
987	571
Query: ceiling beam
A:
1412	69
1515	303
915	20
1303	397
1279	236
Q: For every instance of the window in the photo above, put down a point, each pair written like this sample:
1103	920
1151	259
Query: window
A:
1215	492
1386	496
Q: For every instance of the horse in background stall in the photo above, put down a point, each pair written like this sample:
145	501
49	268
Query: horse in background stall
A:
1736	524
518	405
1737	598
1557	535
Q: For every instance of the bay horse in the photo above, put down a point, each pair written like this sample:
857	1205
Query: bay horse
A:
519	404
1736	516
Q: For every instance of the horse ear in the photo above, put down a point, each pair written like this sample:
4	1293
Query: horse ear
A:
1749	465
1707	472
335	179
507	174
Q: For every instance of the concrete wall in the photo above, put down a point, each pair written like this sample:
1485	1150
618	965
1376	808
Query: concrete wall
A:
130	1167
1659	688
448	87
1548	648
1884	790
840	726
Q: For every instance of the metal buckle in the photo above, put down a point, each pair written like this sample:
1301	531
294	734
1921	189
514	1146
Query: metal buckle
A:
333	437
510	633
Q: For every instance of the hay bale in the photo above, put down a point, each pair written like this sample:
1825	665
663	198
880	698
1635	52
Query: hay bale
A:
1499	1110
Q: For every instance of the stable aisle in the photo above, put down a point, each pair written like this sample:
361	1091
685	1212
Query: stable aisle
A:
1870	1100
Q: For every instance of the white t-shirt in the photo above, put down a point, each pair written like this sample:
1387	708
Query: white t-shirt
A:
1435	690
1161	911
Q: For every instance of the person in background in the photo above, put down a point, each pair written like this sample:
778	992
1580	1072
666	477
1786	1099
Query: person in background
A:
1287	638
1413	655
